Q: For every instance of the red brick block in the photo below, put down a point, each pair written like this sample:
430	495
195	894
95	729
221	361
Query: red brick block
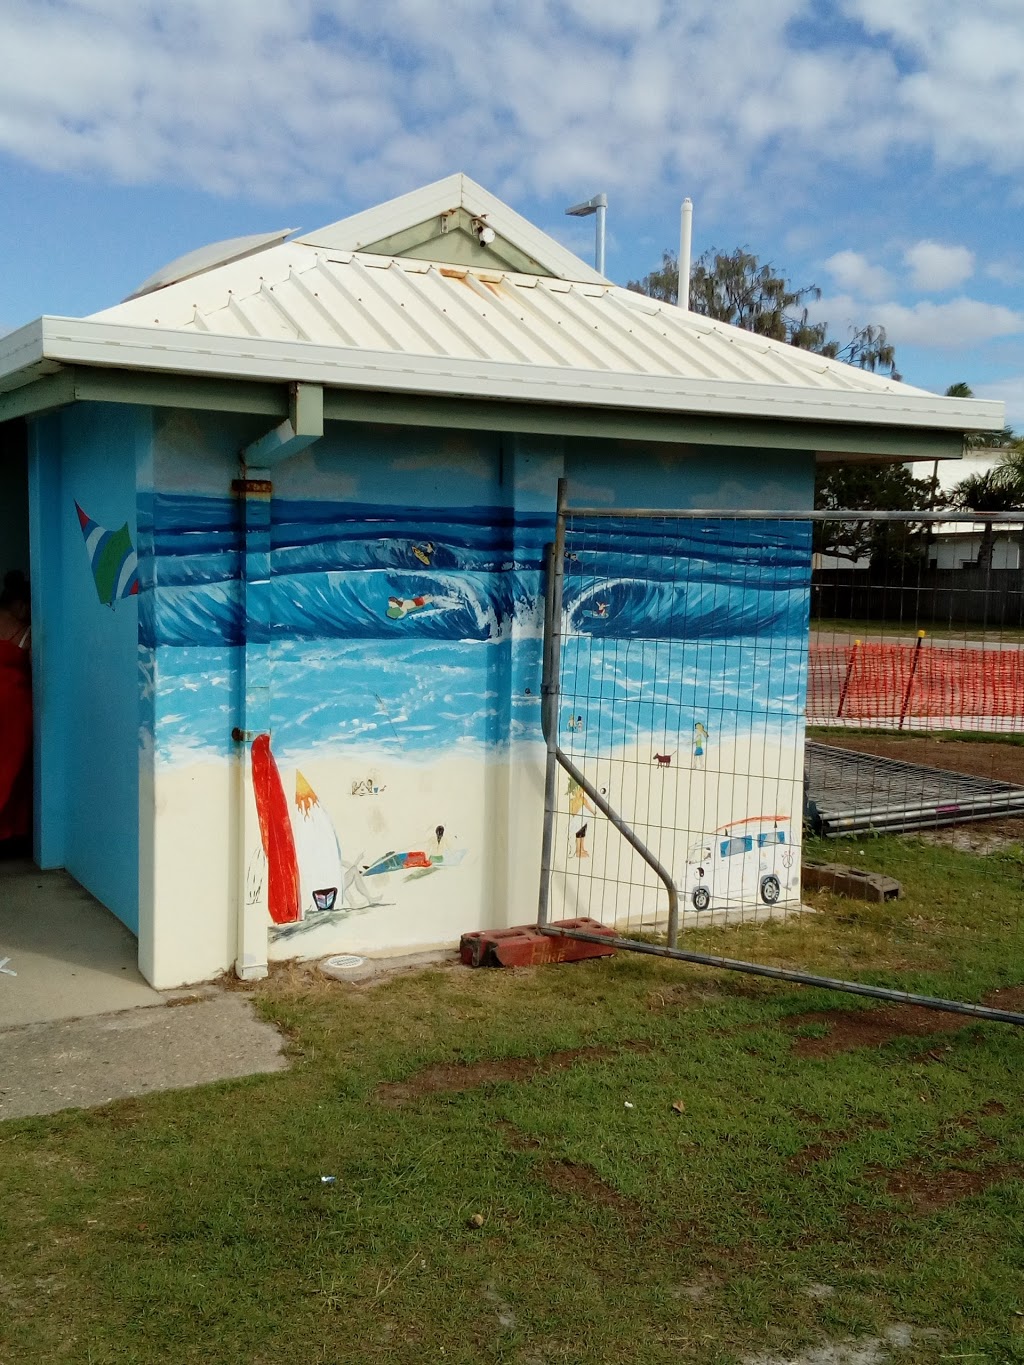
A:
526	946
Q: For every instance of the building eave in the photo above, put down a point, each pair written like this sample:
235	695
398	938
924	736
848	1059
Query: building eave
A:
54	341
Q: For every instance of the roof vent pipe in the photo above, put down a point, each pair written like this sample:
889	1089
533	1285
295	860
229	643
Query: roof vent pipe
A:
685	251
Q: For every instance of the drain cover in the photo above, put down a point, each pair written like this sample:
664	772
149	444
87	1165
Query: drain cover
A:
343	962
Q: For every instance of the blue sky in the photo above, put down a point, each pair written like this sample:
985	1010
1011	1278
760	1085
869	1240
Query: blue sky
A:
871	147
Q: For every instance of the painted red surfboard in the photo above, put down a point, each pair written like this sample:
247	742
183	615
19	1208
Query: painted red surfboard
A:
276	834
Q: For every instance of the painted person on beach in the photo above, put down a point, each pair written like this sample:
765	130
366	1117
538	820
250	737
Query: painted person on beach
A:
700	740
578	803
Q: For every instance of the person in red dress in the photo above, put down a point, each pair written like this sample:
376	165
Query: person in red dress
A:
15	715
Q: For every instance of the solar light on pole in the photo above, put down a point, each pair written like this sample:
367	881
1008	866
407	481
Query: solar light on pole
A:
599	206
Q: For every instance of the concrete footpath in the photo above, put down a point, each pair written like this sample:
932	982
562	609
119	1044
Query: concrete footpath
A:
213	1035
80	1026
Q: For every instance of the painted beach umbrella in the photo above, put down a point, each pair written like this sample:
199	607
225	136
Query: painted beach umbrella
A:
114	563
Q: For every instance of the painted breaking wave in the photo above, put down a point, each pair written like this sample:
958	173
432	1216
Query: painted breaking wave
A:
410	631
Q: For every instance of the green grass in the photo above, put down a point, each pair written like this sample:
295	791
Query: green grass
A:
194	1227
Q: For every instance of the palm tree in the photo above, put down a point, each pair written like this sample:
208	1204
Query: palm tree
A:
996	490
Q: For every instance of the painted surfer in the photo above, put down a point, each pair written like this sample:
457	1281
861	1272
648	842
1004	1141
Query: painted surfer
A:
400	607
575	723
424	553
578	804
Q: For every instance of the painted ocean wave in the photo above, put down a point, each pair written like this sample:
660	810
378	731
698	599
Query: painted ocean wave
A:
634	608
369	604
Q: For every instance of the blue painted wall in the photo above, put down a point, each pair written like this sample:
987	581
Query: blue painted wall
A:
85	659
650	474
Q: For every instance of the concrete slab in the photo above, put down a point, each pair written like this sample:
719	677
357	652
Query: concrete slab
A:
84	1062
71	955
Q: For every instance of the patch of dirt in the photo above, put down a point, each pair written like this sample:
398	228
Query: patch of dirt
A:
516	1138
571	1177
992	1109
850	1029
829	1142
443	1078
928	1190
1001	762
683	997
919	1184
1007	998
980	836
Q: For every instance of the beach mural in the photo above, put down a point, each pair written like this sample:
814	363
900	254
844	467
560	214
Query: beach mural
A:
405	660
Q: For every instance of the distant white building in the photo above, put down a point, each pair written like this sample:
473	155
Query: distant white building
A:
957	546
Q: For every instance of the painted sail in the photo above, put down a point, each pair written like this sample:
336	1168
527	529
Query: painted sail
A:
114	563
318	851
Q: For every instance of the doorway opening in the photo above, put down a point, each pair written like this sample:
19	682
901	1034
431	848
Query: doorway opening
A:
15	681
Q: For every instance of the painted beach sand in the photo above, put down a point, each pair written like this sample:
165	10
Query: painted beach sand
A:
721	824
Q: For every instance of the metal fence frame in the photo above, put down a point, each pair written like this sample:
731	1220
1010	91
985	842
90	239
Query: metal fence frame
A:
556	757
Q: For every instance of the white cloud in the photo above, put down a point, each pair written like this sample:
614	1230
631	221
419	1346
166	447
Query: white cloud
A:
957	323
288	98
935	267
852	271
1005	272
1011	391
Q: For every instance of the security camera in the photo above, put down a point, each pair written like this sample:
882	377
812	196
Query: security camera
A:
484	233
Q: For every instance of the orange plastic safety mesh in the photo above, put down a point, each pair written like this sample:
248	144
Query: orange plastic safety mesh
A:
887	681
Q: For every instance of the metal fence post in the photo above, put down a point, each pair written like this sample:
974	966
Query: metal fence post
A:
549	689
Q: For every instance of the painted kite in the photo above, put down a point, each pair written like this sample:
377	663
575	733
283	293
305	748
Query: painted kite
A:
114	563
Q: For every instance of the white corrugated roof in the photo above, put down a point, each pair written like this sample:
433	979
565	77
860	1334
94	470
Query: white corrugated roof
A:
360	302
318	309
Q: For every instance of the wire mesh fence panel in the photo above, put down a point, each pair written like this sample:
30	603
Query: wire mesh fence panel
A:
721	686
915	688
683	656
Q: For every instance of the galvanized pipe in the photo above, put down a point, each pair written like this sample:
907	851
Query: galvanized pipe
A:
556	757
549	690
828	983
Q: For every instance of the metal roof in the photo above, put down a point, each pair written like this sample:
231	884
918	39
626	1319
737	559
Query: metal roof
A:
359	302
312	310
